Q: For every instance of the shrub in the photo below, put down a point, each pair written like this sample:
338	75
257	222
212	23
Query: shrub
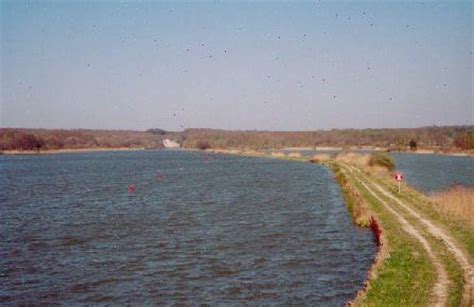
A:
203	145
465	140
383	160
28	142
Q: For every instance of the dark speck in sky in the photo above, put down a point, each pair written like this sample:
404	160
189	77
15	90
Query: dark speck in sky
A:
149	45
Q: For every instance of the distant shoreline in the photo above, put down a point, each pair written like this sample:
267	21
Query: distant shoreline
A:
235	151
68	150
370	148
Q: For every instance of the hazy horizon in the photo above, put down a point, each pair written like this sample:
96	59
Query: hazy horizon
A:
235	65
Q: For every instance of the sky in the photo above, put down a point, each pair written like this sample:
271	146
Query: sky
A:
237	65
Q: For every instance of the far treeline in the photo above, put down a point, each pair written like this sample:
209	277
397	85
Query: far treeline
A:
443	139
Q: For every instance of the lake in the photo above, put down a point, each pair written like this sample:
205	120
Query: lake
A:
165	227
434	173
426	172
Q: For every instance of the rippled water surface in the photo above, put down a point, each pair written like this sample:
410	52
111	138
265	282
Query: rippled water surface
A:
428	173
198	229
432	173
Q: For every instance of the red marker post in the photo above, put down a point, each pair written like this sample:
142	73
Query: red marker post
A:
399	178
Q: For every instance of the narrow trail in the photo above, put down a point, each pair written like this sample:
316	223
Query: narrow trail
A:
461	258
440	289
435	231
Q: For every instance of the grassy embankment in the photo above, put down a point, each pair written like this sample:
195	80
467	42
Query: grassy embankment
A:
404	272
407	275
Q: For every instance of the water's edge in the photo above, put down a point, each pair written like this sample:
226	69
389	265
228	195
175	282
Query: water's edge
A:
373	223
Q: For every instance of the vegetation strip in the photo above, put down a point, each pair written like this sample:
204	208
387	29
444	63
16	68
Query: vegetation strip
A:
361	215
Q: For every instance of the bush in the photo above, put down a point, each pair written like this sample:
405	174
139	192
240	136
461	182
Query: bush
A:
465	140
203	145
26	141
383	160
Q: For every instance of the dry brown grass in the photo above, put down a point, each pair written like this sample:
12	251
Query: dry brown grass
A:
356	203
458	201
319	158
278	154
294	155
252	153
362	161
359	160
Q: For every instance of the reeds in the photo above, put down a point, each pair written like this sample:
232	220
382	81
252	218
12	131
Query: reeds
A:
359	160
457	201
319	158
356	203
278	154
363	162
294	155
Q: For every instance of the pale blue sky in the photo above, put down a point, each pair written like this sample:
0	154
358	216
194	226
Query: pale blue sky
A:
235	65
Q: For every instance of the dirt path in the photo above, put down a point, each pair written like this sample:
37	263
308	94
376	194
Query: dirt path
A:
461	258
440	289
437	232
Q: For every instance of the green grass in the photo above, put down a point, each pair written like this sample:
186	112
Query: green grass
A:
403	279
458	229
407	275
453	269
